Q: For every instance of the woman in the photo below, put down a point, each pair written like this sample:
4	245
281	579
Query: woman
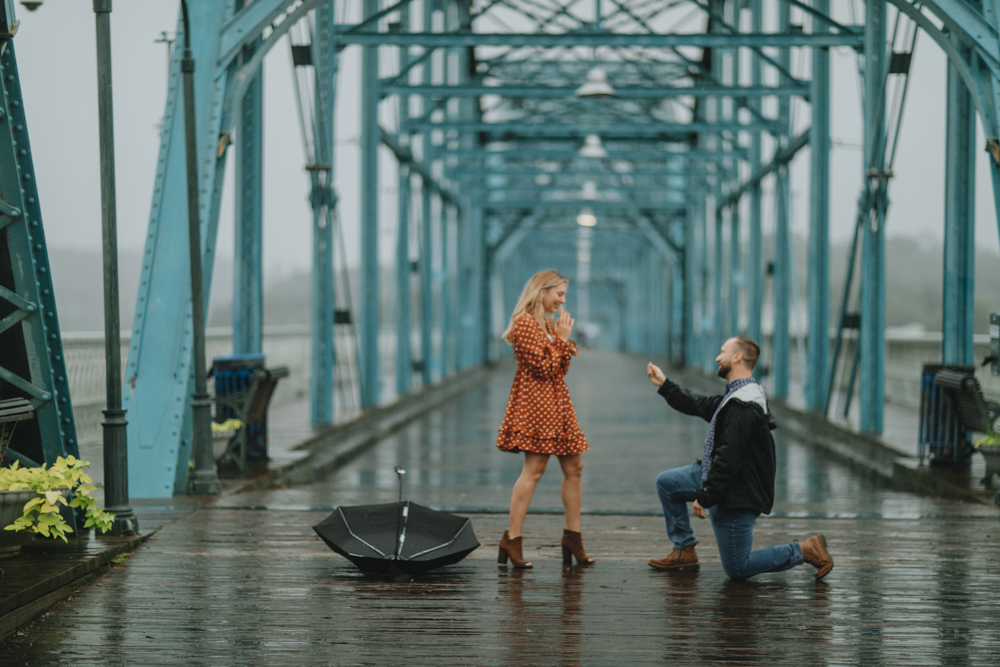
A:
540	420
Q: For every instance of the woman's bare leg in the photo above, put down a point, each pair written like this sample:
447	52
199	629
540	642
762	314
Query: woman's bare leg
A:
572	490
524	488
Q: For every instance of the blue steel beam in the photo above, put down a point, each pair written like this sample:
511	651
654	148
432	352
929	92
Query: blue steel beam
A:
655	153
755	256
323	200
32	363
589	39
637	130
159	372
622	92
248	293
781	279
368	306
819	223
404	272
426	210
872	334
576	204
959	220
247	24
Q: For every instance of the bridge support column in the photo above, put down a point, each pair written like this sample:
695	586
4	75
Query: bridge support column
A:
248	294
754	268
819	220
959	220
368	306
324	203
872	334
781	278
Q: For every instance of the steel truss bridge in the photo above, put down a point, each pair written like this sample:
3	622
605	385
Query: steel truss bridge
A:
626	143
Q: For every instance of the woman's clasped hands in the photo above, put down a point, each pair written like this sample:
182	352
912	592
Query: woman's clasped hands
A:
564	325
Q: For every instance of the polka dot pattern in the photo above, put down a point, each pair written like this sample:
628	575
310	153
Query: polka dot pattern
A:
540	417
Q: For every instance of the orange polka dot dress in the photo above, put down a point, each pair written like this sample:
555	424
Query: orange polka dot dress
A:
540	417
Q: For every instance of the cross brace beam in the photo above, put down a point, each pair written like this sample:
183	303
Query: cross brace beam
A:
594	39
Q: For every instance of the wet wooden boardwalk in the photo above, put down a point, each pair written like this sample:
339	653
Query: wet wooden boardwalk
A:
246	582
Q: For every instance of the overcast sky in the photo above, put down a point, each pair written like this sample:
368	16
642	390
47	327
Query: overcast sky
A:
55	50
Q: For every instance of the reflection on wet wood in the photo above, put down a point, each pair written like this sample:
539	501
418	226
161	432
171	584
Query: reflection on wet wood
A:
256	587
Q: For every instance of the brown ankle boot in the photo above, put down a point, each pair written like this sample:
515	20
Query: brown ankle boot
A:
511	548
572	545
815	553
678	559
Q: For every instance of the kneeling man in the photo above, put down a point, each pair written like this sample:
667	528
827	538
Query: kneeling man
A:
735	477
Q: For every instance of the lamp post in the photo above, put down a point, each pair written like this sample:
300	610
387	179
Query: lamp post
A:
115	438
204	478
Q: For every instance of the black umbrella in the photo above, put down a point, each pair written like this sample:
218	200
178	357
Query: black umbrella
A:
401	536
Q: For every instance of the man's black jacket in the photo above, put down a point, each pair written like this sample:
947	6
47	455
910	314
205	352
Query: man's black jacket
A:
743	461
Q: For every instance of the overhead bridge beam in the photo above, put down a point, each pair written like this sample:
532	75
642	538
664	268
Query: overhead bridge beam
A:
520	153
638	131
784	156
622	93
405	156
594	39
577	204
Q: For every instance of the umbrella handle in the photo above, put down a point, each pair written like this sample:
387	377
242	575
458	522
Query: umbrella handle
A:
401	474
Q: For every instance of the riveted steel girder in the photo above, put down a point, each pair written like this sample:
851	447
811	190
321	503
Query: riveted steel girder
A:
576	39
32	363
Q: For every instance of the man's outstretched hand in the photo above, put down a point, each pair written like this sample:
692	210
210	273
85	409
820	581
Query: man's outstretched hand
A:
699	511
656	376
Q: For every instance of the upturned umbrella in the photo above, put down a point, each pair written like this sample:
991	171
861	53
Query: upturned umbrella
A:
401	536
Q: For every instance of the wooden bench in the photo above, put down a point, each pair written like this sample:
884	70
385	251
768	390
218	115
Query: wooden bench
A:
250	407
973	411
12	410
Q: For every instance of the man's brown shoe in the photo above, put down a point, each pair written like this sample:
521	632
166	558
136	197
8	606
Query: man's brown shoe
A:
815	553
677	560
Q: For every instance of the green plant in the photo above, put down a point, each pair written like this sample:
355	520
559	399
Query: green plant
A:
991	438
53	484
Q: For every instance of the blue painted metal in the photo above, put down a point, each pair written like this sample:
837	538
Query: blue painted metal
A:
654	91
754	268
959	220
578	39
781	287
819	222
718	276
248	268
368	305
404	271
426	282
692	355
32	364
872	334
158	375
323	200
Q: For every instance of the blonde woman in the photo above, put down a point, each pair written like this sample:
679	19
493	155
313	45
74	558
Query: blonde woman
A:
540	420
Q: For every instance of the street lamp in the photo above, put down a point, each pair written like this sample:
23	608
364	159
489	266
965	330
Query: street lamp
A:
596	84
115	434
592	148
204	478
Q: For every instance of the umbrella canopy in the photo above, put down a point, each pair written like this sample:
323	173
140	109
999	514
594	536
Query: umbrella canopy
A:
366	535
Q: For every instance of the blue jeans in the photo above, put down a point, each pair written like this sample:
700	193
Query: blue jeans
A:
733	528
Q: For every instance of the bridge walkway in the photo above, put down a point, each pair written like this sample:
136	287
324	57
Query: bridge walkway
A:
245	581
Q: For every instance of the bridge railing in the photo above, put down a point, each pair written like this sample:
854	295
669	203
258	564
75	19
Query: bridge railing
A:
905	356
283	346
289	346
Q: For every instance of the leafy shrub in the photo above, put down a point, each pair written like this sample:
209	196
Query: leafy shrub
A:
53	485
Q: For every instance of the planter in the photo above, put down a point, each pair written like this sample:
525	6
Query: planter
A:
992	455
11	508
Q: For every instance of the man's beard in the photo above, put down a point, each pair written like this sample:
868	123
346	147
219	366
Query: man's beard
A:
723	371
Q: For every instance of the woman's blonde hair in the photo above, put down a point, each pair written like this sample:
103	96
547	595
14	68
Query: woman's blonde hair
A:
531	298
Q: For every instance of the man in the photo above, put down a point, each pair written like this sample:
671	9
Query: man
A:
735	477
